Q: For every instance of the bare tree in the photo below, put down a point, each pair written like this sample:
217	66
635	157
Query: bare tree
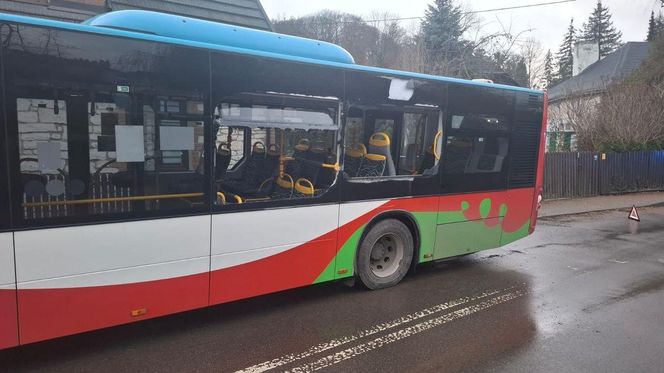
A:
532	52
627	116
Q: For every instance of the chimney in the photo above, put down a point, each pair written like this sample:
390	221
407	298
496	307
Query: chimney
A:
585	54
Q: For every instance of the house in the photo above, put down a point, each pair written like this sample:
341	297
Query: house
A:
248	13
582	91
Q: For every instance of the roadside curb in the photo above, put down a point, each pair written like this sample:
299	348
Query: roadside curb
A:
656	204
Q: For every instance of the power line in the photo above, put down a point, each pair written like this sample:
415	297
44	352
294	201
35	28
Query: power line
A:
469	12
520	7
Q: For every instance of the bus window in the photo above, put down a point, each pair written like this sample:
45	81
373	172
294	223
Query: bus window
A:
269	152
473	155
418	152
477	138
394	143
125	160
104	135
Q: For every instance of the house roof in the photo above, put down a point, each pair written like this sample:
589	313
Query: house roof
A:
596	77
53	11
249	13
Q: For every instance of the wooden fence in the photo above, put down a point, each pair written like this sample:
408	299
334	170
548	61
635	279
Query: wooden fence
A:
587	174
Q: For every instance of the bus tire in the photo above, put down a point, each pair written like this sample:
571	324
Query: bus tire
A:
385	254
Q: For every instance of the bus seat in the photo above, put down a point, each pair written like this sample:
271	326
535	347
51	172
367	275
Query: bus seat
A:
487	160
293	166
373	165
271	164
301	148
317	154
353	158
428	162
327	175
283	187
379	143
310	170
250	173
223	159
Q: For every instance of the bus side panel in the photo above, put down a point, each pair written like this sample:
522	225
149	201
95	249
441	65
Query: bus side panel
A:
469	222
76	279
8	319
478	221
520	220
264	251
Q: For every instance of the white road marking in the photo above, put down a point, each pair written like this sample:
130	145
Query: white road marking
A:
617	261
379	342
286	359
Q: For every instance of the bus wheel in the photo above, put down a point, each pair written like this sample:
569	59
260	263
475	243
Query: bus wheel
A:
385	254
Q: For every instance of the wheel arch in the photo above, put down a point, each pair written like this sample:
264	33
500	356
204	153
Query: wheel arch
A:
407	219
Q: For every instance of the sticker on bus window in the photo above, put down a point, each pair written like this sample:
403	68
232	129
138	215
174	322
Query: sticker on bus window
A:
129	144
176	138
48	155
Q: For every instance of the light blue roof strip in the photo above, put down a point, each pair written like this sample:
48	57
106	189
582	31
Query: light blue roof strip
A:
231	49
192	29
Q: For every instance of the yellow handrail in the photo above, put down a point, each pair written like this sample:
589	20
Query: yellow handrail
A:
334	166
112	199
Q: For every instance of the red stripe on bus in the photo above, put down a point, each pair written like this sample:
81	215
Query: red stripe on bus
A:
296	267
519	209
51	313
8	321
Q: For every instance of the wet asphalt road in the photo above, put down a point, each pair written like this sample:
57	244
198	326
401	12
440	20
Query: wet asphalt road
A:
583	294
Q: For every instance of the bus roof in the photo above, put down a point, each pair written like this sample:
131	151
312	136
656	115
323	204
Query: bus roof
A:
174	29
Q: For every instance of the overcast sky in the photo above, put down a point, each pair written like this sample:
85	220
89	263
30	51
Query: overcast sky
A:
548	23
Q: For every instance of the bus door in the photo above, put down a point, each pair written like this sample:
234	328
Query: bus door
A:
391	162
8	317
276	214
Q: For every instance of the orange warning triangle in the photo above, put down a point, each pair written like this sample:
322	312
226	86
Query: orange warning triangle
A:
634	215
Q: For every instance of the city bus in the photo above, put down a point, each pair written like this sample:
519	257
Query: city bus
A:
153	164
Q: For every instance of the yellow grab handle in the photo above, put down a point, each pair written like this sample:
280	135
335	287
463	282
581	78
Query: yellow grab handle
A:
305	186
436	152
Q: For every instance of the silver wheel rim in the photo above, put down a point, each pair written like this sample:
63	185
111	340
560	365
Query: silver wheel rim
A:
386	255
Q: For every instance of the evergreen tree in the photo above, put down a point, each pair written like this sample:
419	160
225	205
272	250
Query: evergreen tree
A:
442	30
659	25
520	74
600	29
549	78
652	27
565	56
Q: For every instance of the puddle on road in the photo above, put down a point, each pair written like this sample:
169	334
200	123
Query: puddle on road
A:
635	289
